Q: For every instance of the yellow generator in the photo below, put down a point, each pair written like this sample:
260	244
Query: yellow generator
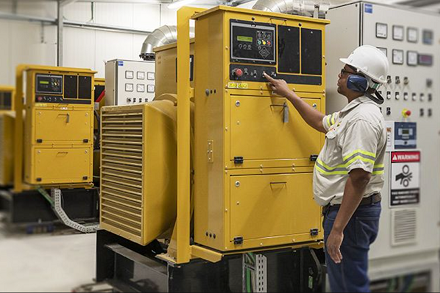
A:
53	145
242	203
6	134
58	127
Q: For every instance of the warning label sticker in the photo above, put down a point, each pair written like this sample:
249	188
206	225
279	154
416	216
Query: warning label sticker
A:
405	178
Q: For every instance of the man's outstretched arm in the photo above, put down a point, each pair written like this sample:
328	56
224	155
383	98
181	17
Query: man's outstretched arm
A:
312	116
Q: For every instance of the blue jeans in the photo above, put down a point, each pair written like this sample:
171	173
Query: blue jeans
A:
351	275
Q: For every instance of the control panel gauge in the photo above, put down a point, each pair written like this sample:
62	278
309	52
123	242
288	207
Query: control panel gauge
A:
412	58
129	74
412	35
397	56
150	88
381	30
398	32
128	87
140	88
141	75
428	36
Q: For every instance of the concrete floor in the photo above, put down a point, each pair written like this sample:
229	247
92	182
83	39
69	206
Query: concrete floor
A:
45	262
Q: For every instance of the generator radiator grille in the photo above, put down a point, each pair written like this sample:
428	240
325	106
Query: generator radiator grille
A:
404	226
122	171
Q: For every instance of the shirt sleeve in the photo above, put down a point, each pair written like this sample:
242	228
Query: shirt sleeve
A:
329	120
359	144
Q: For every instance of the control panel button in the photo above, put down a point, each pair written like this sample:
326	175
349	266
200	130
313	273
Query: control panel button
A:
397	96
237	72
429	112
414	96
388	95
430	97
388	111
422	97
397	80
389	79
406	113
405	96
422	112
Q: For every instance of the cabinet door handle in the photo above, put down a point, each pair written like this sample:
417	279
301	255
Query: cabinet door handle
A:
285	111
67	117
278	182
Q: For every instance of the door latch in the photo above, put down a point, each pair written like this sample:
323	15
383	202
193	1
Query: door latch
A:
285	111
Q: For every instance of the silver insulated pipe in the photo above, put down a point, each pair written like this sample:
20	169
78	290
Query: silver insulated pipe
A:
164	35
317	8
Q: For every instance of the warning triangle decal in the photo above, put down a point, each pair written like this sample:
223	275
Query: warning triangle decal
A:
394	157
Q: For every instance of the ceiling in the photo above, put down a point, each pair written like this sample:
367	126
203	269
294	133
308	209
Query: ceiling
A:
430	5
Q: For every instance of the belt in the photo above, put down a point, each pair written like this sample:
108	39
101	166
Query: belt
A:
374	198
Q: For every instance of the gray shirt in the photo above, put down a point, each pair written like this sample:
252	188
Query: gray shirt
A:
355	138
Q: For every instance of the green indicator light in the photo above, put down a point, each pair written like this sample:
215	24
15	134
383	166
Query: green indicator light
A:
245	39
44	82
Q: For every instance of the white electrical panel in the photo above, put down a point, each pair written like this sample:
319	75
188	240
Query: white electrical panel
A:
129	82
409	233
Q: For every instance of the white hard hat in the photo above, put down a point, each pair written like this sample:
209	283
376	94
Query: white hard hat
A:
369	61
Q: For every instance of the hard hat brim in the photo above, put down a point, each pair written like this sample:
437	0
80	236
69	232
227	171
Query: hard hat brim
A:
375	79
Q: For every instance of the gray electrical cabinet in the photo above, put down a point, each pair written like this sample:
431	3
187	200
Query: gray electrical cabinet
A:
409	236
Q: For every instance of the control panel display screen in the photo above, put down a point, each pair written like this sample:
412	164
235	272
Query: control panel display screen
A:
245	39
52	84
252	42
426	59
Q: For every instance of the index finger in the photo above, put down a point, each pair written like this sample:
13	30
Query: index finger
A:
268	77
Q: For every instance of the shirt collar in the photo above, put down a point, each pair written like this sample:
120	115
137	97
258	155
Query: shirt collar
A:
356	102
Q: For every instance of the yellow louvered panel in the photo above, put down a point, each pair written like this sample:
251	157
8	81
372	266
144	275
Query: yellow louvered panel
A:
138	170
121	174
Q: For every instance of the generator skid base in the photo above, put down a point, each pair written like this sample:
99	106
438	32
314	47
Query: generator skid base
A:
28	208
129	267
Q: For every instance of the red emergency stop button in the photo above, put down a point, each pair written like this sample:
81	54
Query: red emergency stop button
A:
406	113
237	72
40	99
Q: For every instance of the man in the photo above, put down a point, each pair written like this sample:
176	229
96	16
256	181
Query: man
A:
348	173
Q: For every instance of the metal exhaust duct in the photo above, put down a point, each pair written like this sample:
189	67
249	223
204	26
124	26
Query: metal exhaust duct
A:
164	35
297	7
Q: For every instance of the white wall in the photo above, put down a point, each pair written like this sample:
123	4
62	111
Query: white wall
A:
26	42
31	43
91	48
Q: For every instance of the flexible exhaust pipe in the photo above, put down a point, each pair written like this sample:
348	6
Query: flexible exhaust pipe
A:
308	8
164	35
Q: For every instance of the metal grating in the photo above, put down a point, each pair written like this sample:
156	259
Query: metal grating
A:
404	226
122	170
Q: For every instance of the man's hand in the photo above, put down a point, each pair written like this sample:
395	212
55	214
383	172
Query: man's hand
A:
278	86
333	245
